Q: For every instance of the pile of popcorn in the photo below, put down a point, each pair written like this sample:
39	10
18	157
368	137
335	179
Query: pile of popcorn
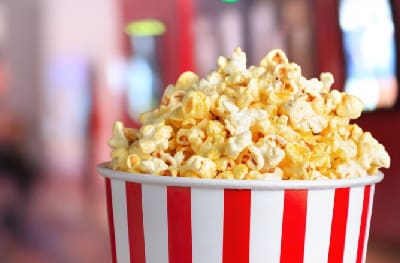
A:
262	122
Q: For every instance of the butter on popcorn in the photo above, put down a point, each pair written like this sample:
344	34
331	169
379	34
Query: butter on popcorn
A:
263	122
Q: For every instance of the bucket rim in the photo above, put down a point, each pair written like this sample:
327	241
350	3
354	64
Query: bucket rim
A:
237	184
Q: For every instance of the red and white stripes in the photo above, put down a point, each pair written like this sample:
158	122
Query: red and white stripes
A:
157	223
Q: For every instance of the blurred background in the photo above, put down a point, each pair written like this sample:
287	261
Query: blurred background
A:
69	68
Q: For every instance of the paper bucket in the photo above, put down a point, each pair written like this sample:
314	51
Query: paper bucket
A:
158	219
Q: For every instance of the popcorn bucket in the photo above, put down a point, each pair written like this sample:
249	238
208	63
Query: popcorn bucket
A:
158	219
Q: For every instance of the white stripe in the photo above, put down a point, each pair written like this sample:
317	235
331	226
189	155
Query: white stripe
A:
154	201
266	225
318	225
353	224
120	220
207	225
371	201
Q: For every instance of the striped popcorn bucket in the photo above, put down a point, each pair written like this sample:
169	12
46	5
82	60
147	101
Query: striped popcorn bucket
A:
158	219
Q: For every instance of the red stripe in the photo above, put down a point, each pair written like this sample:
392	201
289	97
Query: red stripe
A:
111	220
294	226
179	224
135	222
236	236
185	45
363	226
338	227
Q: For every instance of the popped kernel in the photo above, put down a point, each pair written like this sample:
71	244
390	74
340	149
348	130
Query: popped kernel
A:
350	107
238	122
225	175
133	160
272	151
119	156
302	116
200	166
118	139
237	143
274	174
263	122
240	171
225	105
252	157
224	164
236	64
153	166
192	136
195	105
372	153
186	80
213	147
154	137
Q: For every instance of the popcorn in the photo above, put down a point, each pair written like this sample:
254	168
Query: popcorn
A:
153	166
372	154
237	143
118	140
195	105
350	107
275	174
224	164
252	157
349	169
215	128
213	147
238	122
302	116
199	167
154	137
345	149
225	105
264	122
119	157
235	65
273	58
240	171
327	81
183	154
172	164
133	160
192	136
271	148
296	161
186	80
225	175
